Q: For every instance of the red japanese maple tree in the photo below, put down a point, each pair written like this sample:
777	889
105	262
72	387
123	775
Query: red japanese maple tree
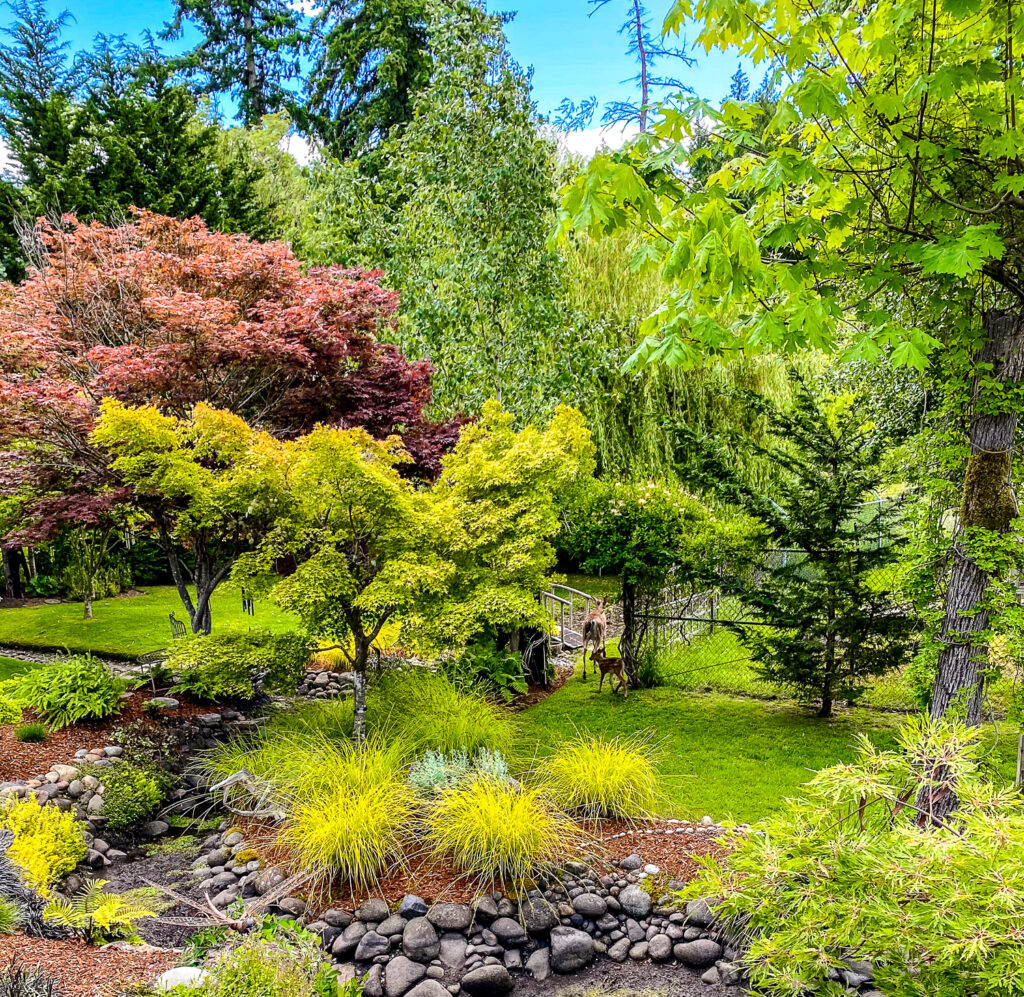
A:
165	312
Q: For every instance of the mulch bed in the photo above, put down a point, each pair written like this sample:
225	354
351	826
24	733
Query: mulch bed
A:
21	760
82	970
675	854
538	692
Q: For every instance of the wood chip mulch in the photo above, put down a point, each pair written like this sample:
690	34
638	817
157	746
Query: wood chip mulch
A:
675	854
21	760
83	970
537	692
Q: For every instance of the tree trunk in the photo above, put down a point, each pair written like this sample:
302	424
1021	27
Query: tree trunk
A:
87	594
362	650
628	641
988	504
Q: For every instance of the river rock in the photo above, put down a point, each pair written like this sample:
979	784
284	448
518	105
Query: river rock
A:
590	905
699	954
510	933
412	906
402	974
420	941
374	909
370	946
538	965
571	949
450	917
635	902
487	981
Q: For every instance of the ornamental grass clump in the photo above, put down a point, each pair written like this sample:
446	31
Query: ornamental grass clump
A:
858	868
592	777
354	822
500	834
430	712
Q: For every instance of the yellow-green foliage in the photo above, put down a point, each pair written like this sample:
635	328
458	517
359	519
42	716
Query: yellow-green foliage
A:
499	833
10	711
429	712
260	967
10	916
352	819
97	916
246	855
47	845
594	777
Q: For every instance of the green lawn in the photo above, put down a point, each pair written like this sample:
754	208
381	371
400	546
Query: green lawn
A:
719	755
127	626
13	666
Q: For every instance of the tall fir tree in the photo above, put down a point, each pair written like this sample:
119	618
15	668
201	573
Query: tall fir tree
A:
370	59
825	623
248	49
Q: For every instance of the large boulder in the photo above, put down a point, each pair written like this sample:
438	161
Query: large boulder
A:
510	933
699	954
428	988
538	965
590	905
537	914
571	949
450	917
402	974
488	981
635	902
420	940
373	909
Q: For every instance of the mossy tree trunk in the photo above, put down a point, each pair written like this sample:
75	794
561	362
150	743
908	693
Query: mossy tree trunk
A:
988	504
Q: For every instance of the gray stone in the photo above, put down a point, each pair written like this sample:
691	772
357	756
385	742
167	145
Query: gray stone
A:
374	909
293	906
699	954
337	918
700	914
510	933
538	915
571	949
393	925
164	703
619	951
710	976
218	857
453	950
345	944
635	901
225	897
538	965
451	917
513	959
862	967
634	930
485	910
412	906
180	976
590	905
638	951
427	988
373	984
402	974
631	862
116	855
488	981
155	828
95	805
75	788
371	945
419	940
223	879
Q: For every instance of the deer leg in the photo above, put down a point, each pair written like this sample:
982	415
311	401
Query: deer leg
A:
600	684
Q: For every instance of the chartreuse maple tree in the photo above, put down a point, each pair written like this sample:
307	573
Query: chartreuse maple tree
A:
209	484
469	553
880	213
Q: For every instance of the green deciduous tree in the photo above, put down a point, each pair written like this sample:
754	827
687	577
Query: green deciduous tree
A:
208	484
880	210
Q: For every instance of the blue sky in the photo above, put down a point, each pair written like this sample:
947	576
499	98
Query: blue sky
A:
572	55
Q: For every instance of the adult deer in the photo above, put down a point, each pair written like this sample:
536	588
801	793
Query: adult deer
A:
611	666
595	624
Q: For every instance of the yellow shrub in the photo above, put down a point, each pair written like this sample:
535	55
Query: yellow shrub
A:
335	660
499	833
593	777
48	843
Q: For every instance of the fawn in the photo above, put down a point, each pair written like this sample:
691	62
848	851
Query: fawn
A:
613	665
595	623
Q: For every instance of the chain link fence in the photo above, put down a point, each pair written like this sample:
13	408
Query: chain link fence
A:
690	645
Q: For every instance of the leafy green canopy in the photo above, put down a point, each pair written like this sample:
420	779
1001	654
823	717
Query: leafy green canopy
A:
881	198
854	867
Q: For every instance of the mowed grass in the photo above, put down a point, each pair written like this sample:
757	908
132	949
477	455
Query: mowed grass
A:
130	625
721	755
13	666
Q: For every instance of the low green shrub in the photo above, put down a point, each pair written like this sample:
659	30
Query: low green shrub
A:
68	690
430	712
352	819
495	671
10	711
97	917
595	777
10	916
272	967
433	772
850	870
500	834
131	792
48	842
32	733
239	665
